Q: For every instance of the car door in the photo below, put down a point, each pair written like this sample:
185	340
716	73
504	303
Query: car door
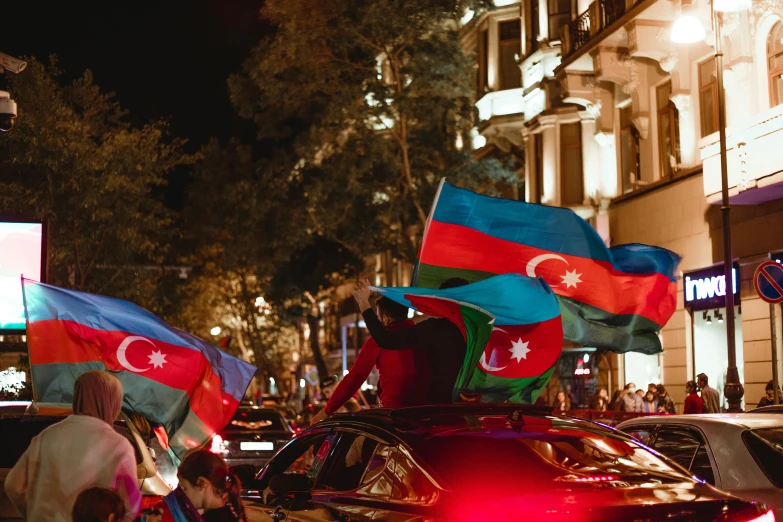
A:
413	493
304	456
688	447
350	485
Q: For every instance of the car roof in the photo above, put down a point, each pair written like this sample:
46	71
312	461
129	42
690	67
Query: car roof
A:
415	423
42	409
744	420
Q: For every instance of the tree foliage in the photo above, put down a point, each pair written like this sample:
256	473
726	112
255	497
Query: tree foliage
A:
74	160
371	97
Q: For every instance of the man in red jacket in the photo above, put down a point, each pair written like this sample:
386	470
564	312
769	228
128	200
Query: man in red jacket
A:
404	376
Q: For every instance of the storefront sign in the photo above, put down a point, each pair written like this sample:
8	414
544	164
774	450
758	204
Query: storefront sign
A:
706	289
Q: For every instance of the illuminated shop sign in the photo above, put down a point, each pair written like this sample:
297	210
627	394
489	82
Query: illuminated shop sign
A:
705	289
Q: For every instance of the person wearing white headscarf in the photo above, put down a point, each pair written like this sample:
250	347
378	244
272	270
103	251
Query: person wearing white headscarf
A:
79	452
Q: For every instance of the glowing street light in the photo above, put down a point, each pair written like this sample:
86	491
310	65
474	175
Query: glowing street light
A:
215	331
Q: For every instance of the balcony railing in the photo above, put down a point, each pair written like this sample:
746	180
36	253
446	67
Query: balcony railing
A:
589	24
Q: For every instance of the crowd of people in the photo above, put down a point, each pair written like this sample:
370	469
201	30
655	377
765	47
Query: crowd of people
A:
82	470
700	397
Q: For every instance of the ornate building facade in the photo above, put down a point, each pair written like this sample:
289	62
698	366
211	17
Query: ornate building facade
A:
613	120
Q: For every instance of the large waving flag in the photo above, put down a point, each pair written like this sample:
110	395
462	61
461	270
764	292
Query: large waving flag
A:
512	361
168	376
616	298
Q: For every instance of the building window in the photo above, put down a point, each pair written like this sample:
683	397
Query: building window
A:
708	97
629	150
775	64
482	76
510	47
559	16
572	191
535	29
668	130
538	168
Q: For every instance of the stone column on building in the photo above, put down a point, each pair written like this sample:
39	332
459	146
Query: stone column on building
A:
551	160
591	174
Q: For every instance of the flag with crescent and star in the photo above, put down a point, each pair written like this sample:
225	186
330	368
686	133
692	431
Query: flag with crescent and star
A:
169	377
512	328
616	298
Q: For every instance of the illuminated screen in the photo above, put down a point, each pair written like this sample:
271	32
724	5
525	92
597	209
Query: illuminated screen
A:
20	254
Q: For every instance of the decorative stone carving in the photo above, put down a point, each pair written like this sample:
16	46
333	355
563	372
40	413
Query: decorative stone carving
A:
669	62
642	124
633	83
681	101
593	110
746	181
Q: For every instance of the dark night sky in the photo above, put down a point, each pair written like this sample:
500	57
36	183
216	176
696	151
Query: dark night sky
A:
165	59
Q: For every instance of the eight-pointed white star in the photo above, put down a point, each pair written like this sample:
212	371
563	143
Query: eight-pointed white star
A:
157	359
519	350
571	278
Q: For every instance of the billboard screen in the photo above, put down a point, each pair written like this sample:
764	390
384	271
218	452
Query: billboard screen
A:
21	253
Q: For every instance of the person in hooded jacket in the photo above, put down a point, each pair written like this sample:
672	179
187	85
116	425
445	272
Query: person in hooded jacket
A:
79	452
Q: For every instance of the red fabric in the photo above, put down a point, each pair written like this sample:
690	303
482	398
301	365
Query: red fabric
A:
162	436
693	404
403	374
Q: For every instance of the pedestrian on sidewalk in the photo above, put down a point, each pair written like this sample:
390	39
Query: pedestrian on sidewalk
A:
709	396
693	403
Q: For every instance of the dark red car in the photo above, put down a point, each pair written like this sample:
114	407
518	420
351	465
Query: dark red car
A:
480	462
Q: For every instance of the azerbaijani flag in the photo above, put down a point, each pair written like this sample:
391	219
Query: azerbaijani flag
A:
616	298
512	361
168	376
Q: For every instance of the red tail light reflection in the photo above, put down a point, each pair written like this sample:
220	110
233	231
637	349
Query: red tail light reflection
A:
769	516
588	478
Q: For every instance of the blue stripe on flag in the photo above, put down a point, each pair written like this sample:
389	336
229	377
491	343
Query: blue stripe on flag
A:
513	299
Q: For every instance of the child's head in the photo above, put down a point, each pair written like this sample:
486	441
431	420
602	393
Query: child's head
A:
205	477
98	505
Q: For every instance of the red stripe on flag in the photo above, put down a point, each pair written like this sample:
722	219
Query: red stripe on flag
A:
596	283
526	350
52	342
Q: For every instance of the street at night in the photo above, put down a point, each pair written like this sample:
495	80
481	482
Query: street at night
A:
392	260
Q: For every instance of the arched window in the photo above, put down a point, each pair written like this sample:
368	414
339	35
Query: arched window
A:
775	64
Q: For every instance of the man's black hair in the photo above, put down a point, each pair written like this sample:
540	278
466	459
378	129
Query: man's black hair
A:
453	282
392	309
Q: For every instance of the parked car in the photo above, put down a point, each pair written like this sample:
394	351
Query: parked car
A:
472	462
21	421
738	453
252	436
774	408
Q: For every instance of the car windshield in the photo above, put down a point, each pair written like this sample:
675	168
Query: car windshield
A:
260	419
766	446
544	453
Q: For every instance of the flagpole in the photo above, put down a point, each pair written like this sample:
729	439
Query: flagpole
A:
414	277
27	332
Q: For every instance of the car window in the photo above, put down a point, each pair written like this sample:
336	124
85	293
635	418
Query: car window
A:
687	448
378	480
640	433
122	429
16	434
347	465
410	484
766	446
304	456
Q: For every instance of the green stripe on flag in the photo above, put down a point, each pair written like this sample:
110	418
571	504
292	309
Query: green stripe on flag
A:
503	389
478	326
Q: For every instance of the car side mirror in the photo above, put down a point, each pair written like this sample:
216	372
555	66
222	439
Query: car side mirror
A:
295	484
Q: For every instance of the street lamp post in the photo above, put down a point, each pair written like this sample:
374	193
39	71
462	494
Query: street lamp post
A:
687	29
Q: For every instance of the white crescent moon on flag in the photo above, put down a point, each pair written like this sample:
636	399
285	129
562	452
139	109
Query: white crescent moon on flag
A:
483	361
533	263
124	347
